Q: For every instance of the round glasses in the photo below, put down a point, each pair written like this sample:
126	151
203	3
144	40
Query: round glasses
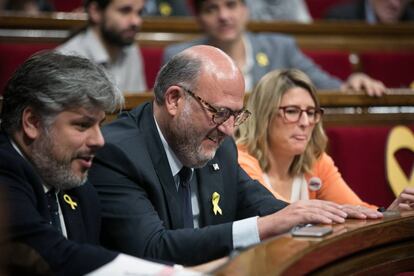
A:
292	114
221	114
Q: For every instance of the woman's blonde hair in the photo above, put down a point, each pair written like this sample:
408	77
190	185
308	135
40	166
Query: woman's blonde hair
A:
264	104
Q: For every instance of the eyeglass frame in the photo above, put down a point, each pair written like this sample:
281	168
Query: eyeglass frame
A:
215	110
318	111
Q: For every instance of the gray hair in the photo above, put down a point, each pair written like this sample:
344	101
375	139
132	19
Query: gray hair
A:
182	69
50	83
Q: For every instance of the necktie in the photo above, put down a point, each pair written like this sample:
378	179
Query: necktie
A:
184	191
52	205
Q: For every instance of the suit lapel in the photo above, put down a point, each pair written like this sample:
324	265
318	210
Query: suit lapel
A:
72	213
261	62
163	170
209	180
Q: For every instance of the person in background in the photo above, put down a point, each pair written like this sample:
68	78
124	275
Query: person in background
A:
275	10
167	8
30	7
109	40
373	11
283	145
50	132
168	177
224	23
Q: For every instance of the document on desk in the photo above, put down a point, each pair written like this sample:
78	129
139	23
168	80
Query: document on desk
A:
131	266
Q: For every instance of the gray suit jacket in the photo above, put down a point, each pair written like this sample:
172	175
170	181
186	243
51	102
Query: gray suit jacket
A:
141	212
281	52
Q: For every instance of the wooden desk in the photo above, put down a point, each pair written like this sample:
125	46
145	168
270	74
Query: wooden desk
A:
384	246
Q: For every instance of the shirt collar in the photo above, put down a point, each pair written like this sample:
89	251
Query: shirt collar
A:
175	163
16	147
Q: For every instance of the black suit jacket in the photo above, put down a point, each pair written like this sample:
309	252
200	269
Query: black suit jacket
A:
36	246
141	214
355	10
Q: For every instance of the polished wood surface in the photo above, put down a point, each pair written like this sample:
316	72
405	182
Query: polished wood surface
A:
158	31
384	246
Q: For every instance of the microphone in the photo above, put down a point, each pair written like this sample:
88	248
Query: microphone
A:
315	184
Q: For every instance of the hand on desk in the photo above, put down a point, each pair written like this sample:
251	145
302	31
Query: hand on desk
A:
404	202
300	212
361	81
361	212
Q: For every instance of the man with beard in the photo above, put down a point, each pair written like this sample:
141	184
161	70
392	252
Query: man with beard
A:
168	177
109	41
52	110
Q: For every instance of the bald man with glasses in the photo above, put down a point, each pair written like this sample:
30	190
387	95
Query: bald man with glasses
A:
168	177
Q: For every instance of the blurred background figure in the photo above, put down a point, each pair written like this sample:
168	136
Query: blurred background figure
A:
109	40
373	11
167	8
224	23
28	6
289	10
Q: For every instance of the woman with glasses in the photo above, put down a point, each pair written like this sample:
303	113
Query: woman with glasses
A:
282	144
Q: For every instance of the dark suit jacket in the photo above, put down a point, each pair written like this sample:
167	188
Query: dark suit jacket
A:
141	214
36	246
355	10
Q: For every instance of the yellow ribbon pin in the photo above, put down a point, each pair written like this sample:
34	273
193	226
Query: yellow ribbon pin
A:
215	200
165	9
69	201
262	59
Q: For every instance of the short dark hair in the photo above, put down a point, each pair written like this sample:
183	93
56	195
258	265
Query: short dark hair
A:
180	70
198	4
51	83
102	4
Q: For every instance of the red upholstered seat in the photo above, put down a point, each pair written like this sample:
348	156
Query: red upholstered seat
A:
317	8
336	63
67	6
359	153
395	69
152	62
14	54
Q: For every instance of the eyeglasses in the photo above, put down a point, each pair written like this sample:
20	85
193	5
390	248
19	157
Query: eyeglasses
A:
292	114
221	114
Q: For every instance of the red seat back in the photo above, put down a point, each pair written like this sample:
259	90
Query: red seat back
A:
395	69
336	63
67	6
14	54
318	8
359	153
152	57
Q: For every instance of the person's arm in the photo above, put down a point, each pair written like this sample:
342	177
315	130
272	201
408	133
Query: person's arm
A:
335	189
250	164
134	207
362	82
323	80
404	202
300	212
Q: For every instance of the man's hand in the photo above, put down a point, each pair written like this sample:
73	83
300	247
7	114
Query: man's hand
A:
361	212
404	202
300	212
361	81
